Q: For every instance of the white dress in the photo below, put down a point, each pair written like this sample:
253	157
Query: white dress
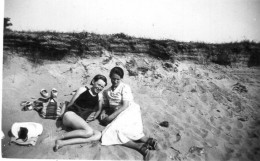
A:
128	124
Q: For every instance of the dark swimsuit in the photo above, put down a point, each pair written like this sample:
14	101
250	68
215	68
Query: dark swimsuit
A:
85	103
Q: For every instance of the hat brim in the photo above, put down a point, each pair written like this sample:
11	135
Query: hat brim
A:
34	129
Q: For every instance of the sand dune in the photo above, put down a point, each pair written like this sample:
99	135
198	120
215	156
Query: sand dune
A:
213	111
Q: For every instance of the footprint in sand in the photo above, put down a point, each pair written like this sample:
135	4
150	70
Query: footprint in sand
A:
228	127
158	156
250	155
252	134
176	114
196	130
48	139
204	133
225	137
229	150
212	120
239	124
122	154
248	142
204	98
163	145
186	125
177	126
215	131
234	141
178	138
212	142
188	119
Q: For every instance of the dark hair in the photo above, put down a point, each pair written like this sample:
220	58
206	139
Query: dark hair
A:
97	77
117	70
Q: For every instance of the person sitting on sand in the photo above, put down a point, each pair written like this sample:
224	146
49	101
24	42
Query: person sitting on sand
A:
124	122
83	103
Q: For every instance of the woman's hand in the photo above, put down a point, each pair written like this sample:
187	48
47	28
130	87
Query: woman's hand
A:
90	118
104	118
105	121
102	115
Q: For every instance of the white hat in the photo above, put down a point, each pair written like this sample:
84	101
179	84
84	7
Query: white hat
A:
34	129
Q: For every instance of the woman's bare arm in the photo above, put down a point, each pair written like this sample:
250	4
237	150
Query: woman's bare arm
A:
100	102
120	109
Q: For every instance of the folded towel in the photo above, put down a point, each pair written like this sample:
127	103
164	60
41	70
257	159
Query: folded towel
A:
31	141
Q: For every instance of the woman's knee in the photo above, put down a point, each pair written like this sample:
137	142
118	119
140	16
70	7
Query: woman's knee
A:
70	119
88	132
67	116
97	135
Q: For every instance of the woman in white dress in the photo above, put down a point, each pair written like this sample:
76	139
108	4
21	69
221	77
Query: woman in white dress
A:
123	119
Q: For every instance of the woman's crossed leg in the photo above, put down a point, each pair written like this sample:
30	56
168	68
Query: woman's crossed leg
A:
81	133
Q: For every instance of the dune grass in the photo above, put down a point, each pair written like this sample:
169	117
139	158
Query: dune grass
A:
54	45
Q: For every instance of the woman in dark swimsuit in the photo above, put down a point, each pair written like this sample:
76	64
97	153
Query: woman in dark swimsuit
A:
84	102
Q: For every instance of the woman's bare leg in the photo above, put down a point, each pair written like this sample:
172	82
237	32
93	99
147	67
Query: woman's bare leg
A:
133	145
144	139
80	127
82	132
60	143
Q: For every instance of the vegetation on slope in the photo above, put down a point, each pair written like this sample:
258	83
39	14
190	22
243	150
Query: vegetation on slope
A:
56	45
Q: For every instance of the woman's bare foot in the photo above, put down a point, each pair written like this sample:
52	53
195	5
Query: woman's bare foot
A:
57	145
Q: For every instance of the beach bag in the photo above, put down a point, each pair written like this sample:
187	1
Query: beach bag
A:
50	109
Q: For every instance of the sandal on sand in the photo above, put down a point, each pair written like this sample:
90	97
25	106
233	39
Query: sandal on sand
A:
145	151
27	106
54	93
152	144
25	103
44	93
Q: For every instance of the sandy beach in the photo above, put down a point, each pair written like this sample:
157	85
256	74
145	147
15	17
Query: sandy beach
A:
213	111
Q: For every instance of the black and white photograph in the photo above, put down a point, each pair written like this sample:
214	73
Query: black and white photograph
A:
151	80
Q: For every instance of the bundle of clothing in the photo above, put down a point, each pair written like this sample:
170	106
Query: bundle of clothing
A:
47	107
